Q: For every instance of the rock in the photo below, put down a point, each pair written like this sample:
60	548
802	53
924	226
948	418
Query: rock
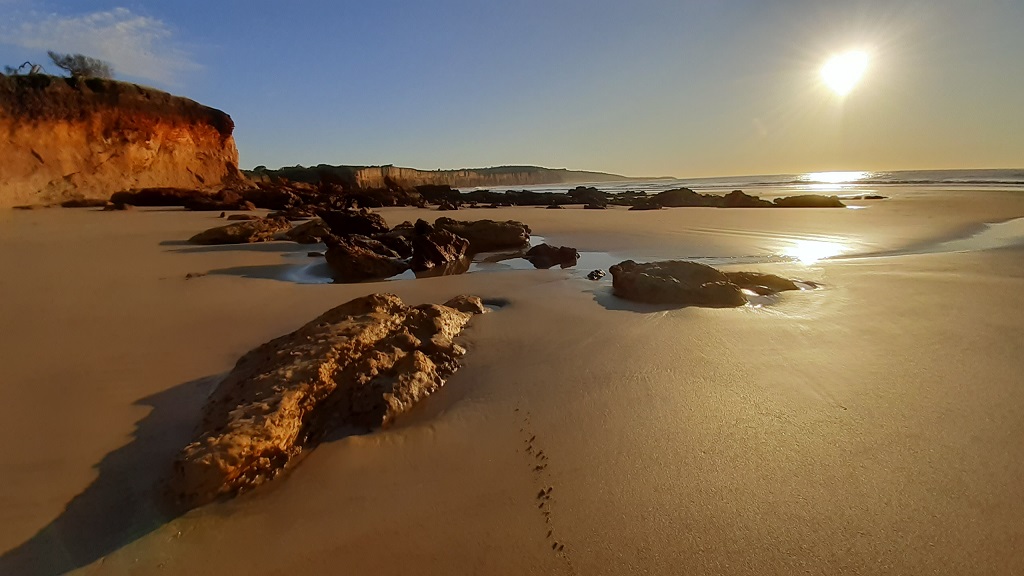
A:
595	207
157	196
680	197
397	241
116	206
866	197
453	268
467	304
555	207
361	365
223	200
588	195
84	203
347	222
352	261
546	256
262	230
243	217
316	254
437	248
810	201
596	275
646	205
311	232
30	207
274	198
296	213
737	199
761	283
446	206
488	235
675	282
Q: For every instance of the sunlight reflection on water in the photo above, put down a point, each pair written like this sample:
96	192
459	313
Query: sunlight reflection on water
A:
811	251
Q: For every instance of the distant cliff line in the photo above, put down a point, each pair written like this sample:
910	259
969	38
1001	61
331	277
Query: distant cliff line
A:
376	177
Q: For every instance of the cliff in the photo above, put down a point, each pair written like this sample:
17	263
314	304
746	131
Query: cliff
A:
370	177
88	138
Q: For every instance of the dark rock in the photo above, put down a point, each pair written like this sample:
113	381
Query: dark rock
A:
223	200
596	275
243	217
362	364
437	248
595	207
352	261
737	199
646	205
261	230
453	268
272	198
488	235
546	256
680	197
157	196
315	254
588	195
675	282
866	197
347	222
117	206
555	207
397	240
296	213
446	206
810	201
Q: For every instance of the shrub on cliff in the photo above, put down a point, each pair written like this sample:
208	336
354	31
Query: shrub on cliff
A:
81	65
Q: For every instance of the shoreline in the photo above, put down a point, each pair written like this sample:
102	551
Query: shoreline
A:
856	418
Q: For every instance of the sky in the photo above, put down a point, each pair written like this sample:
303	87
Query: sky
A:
686	88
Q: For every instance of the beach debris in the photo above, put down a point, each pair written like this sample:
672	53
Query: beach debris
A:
359	365
546	256
261	230
684	283
596	274
488	235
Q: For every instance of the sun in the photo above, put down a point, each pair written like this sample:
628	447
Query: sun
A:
843	71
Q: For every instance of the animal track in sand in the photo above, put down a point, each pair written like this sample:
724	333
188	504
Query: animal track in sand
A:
538	463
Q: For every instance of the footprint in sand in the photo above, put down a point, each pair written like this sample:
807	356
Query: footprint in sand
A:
538	462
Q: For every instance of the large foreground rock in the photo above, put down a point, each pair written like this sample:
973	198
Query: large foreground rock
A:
685	283
360	365
261	230
546	256
488	235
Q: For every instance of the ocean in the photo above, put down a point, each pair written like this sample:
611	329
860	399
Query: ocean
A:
838	183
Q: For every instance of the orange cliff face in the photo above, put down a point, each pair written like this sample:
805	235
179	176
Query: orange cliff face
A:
67	138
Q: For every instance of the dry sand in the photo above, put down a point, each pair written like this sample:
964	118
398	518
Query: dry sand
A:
871	427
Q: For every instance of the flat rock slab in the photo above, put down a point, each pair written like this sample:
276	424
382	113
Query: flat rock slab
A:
245	232
358	365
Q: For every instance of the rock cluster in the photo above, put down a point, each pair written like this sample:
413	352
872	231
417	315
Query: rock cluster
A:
357	366
684	283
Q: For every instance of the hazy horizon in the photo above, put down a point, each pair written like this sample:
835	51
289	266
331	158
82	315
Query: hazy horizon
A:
650	89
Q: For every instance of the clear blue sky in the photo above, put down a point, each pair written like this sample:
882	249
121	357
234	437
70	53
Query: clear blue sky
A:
669	87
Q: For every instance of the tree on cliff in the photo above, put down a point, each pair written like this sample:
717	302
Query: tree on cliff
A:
81	65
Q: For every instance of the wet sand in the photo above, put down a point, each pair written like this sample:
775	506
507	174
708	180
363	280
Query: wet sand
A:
869	427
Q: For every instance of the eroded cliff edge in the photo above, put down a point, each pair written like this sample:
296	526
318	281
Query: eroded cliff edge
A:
64	138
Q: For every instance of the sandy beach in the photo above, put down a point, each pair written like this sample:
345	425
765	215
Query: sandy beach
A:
872	426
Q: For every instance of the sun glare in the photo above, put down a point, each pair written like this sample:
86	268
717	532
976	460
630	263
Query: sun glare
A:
810	251
843	71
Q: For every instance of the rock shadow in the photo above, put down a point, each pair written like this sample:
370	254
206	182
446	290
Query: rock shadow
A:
127	499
